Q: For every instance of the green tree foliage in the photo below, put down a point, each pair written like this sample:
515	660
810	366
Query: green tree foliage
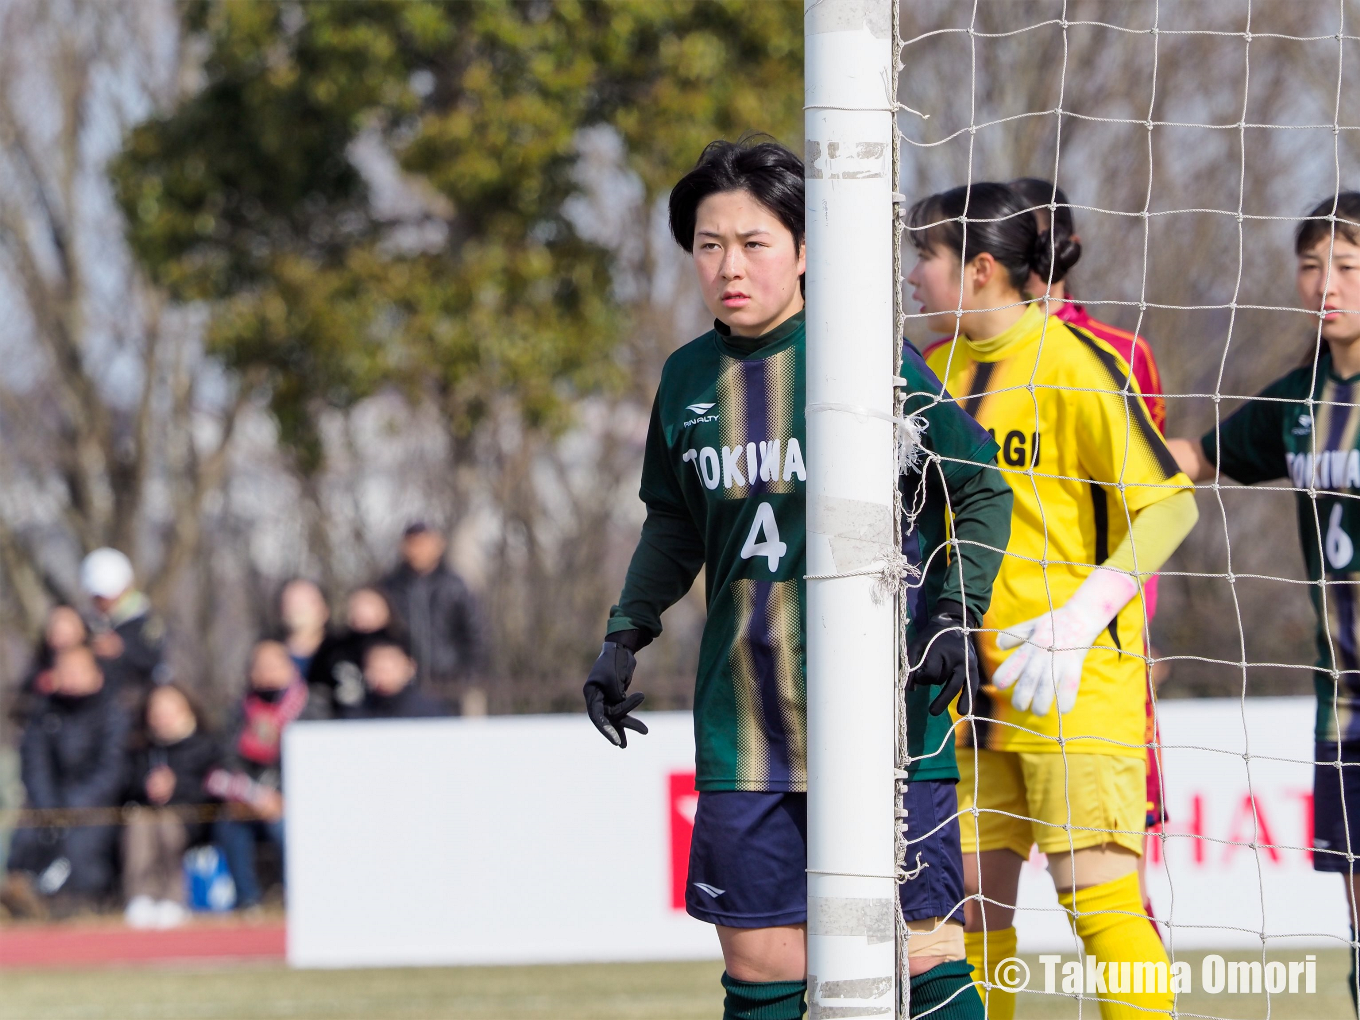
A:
244	195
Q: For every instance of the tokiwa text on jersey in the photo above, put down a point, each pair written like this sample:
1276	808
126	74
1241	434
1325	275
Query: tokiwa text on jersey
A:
1305	426
725	476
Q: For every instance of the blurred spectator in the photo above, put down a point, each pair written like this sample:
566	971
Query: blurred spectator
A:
64	629
337	672
72	758
129	639
304	613
389	688
168	773
440	616
252	776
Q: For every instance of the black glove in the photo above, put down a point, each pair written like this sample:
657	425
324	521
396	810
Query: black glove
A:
607	699
942	653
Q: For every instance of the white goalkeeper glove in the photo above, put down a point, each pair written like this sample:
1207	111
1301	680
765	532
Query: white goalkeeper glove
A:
1053	647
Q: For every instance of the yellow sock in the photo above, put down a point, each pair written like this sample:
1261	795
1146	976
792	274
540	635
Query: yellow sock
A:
996	946
1114	928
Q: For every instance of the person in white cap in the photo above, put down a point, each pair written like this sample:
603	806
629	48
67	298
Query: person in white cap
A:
129	639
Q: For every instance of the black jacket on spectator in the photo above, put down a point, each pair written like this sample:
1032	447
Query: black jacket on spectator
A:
72	756
190	759
73	751
442	622
143	652
408	703
337	671
29	698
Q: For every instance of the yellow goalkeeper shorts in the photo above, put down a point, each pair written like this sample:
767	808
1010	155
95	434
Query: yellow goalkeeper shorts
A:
1025	798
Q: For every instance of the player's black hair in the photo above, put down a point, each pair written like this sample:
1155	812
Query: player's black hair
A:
754	163
1041	196
999	222
1318	226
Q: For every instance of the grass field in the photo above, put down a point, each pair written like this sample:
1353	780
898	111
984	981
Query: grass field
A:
673	991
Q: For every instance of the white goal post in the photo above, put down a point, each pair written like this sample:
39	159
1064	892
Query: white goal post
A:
851	540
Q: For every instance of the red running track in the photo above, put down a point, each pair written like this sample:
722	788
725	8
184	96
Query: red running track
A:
108	944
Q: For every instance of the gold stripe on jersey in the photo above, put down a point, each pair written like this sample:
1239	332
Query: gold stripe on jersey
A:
784	630
734	426
1336	425
1332	410
753	762
1081	455
781	380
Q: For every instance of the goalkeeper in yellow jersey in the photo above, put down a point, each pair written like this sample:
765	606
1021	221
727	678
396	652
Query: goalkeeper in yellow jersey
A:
1058	753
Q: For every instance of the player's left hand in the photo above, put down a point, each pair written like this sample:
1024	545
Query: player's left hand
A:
942	653
1052	647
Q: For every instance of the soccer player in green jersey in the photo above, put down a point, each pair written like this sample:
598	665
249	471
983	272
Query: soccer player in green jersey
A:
724	480
1305	426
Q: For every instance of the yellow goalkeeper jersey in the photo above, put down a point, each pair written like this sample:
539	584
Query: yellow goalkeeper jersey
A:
1082	456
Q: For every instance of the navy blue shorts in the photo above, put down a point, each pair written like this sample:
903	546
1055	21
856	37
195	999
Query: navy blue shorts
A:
748	857
934	887
1335	831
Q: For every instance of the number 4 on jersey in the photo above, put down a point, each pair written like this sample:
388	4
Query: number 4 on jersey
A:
770	546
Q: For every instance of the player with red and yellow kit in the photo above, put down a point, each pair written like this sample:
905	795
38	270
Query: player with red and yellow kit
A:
1053	212
1099	505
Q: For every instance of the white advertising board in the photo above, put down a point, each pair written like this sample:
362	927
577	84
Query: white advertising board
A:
532	840
1218	891
503	840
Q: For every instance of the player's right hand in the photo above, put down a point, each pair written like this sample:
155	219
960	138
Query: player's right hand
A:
608	702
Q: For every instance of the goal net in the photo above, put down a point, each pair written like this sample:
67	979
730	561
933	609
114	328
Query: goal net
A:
1190	140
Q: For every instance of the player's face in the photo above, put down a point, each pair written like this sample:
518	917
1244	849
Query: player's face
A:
747	263
935	288
1335	289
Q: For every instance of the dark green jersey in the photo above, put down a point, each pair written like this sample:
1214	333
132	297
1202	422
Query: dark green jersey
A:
1307	429
958	488
724	479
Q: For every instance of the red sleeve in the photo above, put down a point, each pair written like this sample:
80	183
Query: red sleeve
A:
1150	382
1137	352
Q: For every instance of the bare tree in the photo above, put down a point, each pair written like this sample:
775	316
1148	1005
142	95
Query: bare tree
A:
112	436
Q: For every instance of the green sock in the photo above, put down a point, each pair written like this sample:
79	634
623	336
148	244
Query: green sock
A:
763	1000
948	990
